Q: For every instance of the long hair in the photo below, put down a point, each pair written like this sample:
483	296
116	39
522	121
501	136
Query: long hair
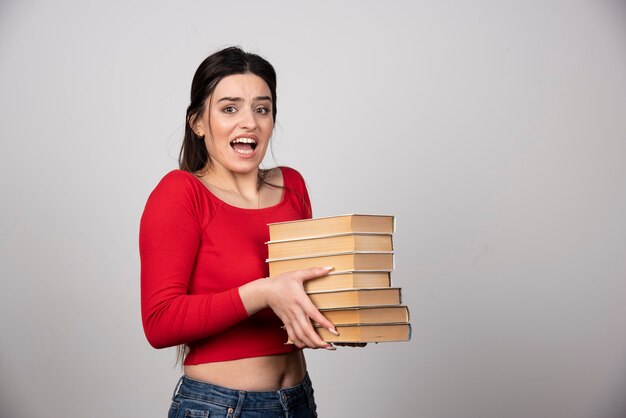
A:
193	155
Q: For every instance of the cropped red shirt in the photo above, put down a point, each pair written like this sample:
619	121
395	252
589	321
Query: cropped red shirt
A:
196	251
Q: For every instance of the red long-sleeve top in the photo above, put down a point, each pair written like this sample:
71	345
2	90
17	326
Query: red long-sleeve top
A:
196	251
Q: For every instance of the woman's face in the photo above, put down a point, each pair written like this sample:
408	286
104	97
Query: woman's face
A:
237	123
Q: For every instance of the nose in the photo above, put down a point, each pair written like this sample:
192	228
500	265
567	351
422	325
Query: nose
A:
248	119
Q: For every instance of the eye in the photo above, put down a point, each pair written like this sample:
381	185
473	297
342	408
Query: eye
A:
262	110
229	109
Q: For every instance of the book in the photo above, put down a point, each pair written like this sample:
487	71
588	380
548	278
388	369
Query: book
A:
329	244
367	333
332	225
356	297
369	315
349	280
348	261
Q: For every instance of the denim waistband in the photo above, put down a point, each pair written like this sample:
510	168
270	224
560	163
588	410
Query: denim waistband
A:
238	400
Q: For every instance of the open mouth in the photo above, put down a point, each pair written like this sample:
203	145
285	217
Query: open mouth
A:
243	145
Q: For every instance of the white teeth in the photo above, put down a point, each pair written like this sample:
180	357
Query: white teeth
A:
240	151
244	141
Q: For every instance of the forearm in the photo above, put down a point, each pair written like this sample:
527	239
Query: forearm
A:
254	295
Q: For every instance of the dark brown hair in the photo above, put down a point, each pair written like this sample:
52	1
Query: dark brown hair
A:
193	155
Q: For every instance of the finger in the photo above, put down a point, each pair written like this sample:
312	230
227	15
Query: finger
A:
315	340
304	333
291	335
305	330
313	313
303	338
312	335
313	273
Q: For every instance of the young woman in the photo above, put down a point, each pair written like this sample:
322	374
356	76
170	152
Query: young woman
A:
204	280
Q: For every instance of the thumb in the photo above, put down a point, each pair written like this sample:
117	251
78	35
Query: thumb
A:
315	272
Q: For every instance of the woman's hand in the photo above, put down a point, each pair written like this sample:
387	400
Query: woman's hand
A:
287	298
285	295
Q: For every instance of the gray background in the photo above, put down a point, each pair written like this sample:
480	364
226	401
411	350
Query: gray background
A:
494	131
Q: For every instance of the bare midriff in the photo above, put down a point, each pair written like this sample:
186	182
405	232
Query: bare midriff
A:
264	373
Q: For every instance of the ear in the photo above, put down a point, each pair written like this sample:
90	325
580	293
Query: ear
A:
196	125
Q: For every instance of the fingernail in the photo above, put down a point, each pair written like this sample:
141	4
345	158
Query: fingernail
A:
328	268
331	348
333	331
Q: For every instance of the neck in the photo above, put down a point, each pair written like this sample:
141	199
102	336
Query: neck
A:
245	185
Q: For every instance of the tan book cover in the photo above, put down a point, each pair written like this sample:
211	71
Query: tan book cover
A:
349	261
349	280
367	333
332	225
330	244
367	315
358	297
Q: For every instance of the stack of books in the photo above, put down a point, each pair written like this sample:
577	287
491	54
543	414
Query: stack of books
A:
357	296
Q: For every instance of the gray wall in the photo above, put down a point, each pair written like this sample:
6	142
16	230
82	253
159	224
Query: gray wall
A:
494	131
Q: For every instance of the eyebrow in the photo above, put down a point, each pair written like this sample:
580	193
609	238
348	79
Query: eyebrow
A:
239	99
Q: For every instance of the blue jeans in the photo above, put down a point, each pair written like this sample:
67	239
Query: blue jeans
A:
198	399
